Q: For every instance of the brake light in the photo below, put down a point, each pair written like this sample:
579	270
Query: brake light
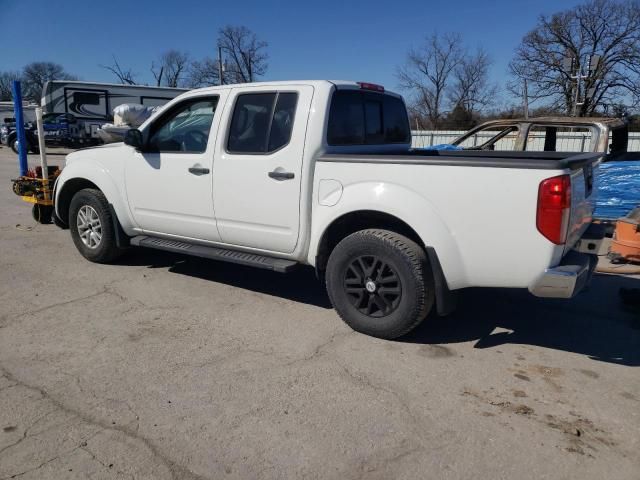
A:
554	208
371	86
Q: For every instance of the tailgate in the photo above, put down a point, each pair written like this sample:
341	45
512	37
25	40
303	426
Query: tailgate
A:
583	195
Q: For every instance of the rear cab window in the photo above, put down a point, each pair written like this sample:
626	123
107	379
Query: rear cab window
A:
366	118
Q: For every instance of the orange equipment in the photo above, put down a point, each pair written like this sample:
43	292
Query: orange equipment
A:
625	246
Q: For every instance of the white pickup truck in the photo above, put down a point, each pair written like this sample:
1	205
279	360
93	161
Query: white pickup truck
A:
321	173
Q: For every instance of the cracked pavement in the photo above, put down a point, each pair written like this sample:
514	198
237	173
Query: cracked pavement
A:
167	367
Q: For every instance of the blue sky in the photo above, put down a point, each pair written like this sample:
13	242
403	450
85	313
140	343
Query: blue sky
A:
307	39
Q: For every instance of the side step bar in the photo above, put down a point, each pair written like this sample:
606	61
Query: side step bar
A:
215	253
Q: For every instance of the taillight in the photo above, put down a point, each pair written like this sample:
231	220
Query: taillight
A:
371	86
554	208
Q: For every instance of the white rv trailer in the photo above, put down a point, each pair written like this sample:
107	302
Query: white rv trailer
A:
93	103
7	115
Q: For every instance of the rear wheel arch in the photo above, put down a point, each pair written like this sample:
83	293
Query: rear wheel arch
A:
355	221
358	220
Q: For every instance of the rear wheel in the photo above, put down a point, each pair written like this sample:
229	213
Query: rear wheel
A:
380	283
92	226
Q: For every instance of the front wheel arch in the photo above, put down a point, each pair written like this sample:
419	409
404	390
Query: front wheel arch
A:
69	189
94	226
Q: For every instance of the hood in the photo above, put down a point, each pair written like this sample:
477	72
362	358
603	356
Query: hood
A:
80	153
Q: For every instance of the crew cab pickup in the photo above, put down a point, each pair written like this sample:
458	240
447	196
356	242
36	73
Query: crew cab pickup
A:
320	173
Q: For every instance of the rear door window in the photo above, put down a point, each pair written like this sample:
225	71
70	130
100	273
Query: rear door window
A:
365	118
262	122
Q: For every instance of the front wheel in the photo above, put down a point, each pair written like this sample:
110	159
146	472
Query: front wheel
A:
380	283
92	226
13	143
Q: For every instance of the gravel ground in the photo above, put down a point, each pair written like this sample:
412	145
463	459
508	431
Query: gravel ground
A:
166	367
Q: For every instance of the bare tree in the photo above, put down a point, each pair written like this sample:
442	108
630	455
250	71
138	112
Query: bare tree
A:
204	73
244	55
126	77
171	69
36	74
6	82
427	74
472	90
607	28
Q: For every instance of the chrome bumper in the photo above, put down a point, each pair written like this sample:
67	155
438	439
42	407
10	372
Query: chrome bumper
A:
568	278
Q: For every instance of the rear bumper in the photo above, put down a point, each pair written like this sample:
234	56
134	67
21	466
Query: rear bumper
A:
566	279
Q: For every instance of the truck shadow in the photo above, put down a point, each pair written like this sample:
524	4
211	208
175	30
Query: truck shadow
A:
301	285
595	323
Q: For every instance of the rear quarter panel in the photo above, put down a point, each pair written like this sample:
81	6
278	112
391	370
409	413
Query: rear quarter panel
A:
480	221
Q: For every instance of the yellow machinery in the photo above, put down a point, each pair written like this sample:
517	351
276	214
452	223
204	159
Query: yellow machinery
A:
36	189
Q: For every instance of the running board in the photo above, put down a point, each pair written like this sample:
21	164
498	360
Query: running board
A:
215	253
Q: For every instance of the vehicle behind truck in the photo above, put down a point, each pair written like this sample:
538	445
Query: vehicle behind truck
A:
282	174
619	184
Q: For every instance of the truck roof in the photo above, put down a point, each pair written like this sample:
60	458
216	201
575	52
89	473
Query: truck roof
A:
341	84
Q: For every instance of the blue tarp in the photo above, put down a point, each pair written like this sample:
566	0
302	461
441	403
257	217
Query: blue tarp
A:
441	146
619	189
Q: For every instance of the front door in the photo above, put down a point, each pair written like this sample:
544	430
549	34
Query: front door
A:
169	182
258	167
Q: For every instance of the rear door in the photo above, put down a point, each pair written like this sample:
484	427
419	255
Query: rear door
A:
258	167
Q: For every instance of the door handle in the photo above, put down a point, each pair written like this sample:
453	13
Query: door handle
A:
198	170
279	175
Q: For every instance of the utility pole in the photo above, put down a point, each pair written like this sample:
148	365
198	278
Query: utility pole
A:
580	76
525	94
220	69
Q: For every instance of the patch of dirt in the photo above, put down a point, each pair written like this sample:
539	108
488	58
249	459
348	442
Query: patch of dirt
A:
504	405
435	351
519	394
548	374
589	373
581	435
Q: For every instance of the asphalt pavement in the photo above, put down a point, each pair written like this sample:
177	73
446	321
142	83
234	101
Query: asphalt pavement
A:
168	367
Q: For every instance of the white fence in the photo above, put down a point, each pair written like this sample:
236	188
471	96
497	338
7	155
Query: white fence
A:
567	142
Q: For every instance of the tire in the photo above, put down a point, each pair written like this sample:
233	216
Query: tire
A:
42	213
58	222
13	143
380	283
96	243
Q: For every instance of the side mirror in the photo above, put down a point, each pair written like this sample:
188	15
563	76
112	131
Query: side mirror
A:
133	138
